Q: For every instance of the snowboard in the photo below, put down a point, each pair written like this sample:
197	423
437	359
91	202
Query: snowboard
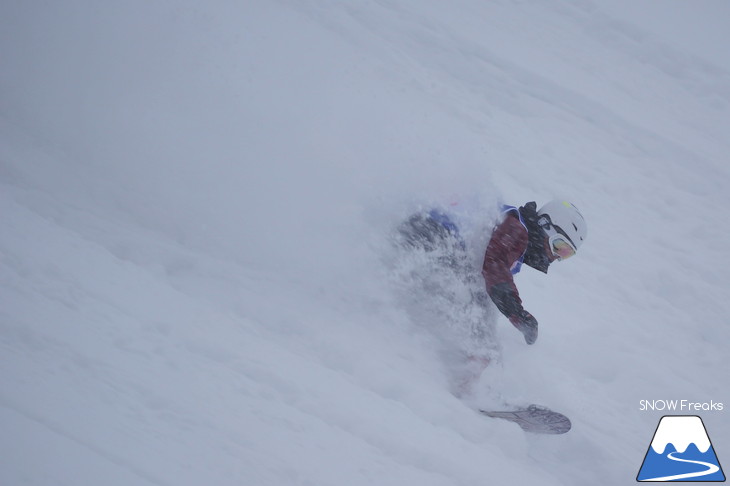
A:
534	419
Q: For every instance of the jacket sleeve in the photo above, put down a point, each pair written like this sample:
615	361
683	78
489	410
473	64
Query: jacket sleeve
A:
509	241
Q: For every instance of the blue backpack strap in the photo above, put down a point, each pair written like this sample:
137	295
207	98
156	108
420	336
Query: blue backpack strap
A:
444	220
517	265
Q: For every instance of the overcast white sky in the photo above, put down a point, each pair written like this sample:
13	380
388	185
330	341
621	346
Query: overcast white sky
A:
699	26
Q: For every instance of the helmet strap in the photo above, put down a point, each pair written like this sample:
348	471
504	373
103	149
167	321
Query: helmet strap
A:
544	222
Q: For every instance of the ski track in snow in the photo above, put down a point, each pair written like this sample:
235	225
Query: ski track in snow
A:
197	283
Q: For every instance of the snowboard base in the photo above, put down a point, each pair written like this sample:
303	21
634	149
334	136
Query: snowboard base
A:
534	419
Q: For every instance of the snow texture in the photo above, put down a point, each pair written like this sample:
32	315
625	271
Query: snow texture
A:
198	277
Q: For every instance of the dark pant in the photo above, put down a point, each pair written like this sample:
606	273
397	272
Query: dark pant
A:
431	231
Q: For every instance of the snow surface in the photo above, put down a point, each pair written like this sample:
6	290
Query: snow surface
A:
198	280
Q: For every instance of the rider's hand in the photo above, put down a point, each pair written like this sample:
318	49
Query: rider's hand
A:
526	324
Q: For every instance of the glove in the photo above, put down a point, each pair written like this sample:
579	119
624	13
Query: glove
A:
526	324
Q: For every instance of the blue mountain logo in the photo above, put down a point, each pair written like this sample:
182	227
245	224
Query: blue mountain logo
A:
681	451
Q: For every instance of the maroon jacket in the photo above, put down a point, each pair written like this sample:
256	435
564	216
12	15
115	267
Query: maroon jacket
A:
508	243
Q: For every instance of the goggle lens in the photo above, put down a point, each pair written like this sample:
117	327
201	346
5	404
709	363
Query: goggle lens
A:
562	249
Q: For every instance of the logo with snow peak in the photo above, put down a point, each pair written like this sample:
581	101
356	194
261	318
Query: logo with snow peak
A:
680	451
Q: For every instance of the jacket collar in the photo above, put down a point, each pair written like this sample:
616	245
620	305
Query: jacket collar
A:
535	255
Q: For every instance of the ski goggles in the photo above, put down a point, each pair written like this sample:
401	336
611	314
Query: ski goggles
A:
561	247
559	243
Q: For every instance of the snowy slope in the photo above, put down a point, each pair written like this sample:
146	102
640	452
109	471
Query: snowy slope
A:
197	281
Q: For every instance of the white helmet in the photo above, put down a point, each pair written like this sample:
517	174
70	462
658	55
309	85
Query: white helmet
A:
567	220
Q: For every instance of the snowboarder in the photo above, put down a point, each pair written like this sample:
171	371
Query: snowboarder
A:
535	238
